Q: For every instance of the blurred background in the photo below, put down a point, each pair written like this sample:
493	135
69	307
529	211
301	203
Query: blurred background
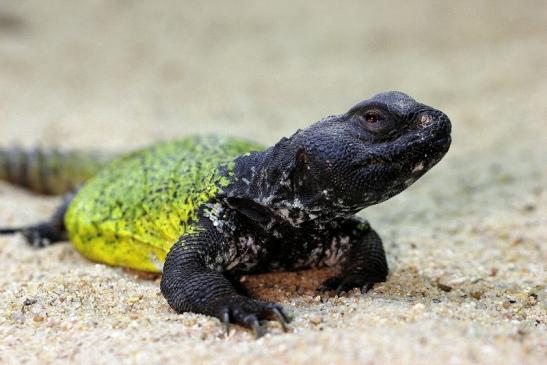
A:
123	73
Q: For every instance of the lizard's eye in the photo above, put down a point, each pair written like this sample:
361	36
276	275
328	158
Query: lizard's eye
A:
372	118
375	121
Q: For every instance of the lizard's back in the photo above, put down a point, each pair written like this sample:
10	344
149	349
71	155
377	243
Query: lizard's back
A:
135	209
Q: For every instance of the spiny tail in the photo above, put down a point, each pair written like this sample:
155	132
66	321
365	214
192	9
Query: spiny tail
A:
49	171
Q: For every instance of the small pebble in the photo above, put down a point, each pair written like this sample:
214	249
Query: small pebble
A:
133	300
29	301
476	294
444	287
315	318
530	207
38	318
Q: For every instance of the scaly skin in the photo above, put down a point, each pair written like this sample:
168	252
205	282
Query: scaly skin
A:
135	209
206	210
50	171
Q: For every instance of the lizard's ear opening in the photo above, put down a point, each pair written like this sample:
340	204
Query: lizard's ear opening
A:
301	161
303	181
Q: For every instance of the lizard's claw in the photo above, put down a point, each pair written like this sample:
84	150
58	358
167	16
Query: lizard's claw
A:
258	330
281	317
249	312
367	287
226	322
329	285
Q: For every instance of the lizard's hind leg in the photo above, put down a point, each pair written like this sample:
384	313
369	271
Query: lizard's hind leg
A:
48	232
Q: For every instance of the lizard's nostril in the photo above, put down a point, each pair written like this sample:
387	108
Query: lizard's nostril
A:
425	120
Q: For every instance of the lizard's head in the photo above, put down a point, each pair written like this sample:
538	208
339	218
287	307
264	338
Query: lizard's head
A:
342	163
374	151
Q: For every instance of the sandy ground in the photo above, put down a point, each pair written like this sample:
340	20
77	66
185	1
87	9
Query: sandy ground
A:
467	244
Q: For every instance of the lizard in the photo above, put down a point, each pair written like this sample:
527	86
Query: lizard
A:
205	210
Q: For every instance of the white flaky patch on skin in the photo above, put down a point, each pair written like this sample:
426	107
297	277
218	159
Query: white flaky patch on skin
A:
314	258
214	212
248	253
220	218
284	212
247	244
242	252
295	216
418	167
297	204
232	258
294	212
285	181
338	248
265	200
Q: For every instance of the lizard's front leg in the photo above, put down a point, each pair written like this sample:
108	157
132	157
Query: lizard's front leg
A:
363	262
193	281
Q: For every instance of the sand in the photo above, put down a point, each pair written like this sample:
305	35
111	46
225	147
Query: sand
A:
466	244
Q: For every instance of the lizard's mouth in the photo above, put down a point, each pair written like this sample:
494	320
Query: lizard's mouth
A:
398	158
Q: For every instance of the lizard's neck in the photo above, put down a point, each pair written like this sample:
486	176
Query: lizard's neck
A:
265	180
263	177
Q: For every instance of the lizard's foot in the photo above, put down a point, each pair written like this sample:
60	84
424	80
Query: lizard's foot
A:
249	312
48	232
39	235
339	283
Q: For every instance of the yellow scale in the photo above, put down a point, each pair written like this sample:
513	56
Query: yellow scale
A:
137	207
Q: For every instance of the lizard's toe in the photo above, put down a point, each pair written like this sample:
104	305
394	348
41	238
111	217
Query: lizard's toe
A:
329	285
35	239
42	234
340	284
